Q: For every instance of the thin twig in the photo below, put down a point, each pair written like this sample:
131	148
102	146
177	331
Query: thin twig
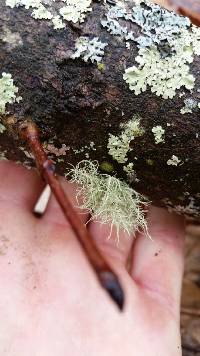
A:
108	279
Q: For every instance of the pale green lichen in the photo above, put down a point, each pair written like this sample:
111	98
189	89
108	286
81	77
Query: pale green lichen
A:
57	22
89	49
108	199
70	10
42	13
119	146
173	161
75	10
8	92
166	48
163	76
158	132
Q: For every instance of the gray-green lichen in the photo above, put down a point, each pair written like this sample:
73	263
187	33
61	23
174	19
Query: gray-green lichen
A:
89	49
119	146
190	105
8	92
108	199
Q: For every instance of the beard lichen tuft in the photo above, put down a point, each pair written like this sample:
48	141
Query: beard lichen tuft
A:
108	199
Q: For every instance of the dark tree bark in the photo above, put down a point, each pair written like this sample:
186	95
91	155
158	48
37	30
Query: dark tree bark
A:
75	103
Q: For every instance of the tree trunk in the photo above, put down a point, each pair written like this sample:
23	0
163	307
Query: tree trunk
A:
79	104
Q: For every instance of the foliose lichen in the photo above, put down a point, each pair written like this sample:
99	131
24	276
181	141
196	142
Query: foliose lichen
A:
158	132
163	76
190	105
173	161
167	45
69	10
8	92
108	199
89	49
119	146
75	10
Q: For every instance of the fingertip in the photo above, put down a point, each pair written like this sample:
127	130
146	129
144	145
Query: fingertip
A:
158	263
19	185
167	227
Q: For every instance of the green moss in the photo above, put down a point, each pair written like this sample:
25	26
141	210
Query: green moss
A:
150	162
106	167
101	66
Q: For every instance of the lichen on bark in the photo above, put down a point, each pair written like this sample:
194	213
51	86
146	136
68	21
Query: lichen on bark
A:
76	102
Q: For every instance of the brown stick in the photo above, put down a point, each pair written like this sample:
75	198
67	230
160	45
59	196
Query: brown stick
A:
106	276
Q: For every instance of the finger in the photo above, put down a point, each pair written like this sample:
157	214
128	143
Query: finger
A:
158	263
115	246
54	212
19	185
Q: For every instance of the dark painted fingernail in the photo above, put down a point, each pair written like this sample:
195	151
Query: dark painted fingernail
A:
112	285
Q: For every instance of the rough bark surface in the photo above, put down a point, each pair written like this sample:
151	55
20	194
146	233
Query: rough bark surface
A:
74	103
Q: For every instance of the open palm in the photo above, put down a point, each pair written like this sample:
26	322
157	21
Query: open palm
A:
50	301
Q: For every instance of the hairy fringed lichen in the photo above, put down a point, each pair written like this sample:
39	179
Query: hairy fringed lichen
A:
89	49
8	92
119	146
108	199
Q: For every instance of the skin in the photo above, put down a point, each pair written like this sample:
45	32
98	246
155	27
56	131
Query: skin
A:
50	301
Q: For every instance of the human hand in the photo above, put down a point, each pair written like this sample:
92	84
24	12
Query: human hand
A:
51	303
